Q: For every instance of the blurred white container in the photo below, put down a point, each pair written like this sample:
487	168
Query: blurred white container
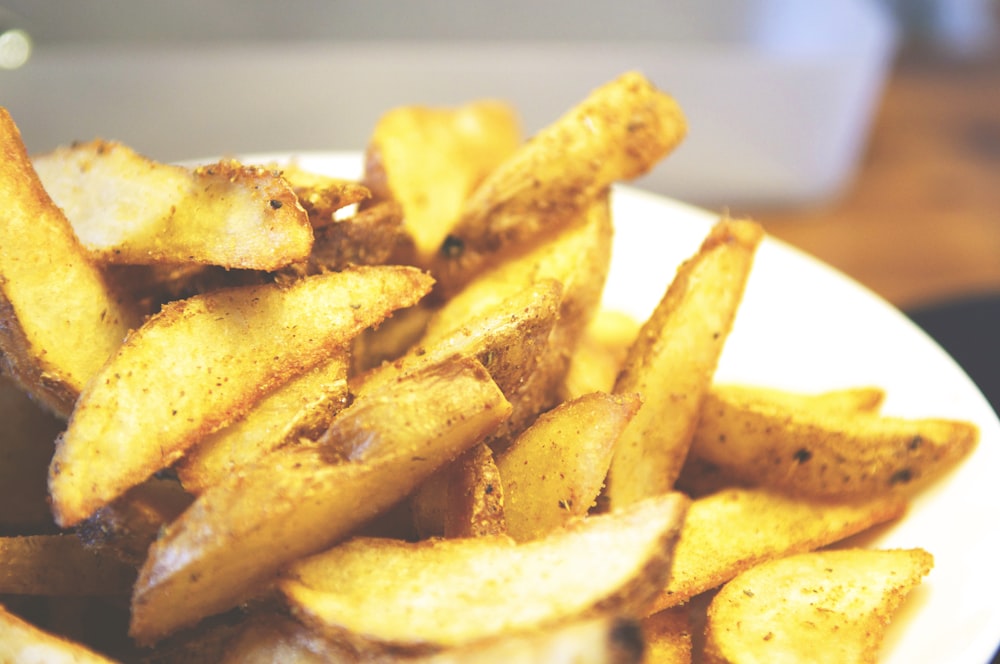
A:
779	93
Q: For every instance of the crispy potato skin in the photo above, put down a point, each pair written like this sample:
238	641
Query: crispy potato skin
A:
50	291
617	133
673	359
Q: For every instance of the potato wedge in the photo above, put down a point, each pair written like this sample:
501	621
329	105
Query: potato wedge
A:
389	595
828	606
726	404
808	448
303	498
128	209
620	131
578	258
673	359
605	639
668	637
202	363
50	291
475	496
26	444
430	159
304	406
759	525
273	638
22	642
555	469
60	565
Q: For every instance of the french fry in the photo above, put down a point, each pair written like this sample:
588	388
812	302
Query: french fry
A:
733	530
618	132
383	595
430	159
303	498
673	359
322	196
122	207
828	606
555	469
600	353
50	291
806	447
475	496
211	358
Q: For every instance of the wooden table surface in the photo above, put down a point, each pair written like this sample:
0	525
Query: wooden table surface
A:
920	222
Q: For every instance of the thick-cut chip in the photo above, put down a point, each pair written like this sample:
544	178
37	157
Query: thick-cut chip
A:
601	640
668	637
382	594
127	209
673	359
26	437
22	642
805	447
475	496
555	469
202	363
60	565
273	638
59	320
620	131
733	530
578	258
304	406
727	405
826	606
431	159
303	498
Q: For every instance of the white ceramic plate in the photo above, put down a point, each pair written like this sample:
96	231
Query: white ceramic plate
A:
804	326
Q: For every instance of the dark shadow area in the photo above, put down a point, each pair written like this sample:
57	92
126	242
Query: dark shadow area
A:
969	329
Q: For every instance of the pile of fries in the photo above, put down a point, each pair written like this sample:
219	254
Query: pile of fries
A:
255	413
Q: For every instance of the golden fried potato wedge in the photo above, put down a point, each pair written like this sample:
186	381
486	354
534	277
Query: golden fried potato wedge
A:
20	641
202	363
26	443
620	131
578	258
322	196
730	531
128	209
272	638
555	469
673	360
382	594
604	639
430	159
805	447
475	504
303	498
59	319
304	406
668	637
825	606
507	336
60	565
